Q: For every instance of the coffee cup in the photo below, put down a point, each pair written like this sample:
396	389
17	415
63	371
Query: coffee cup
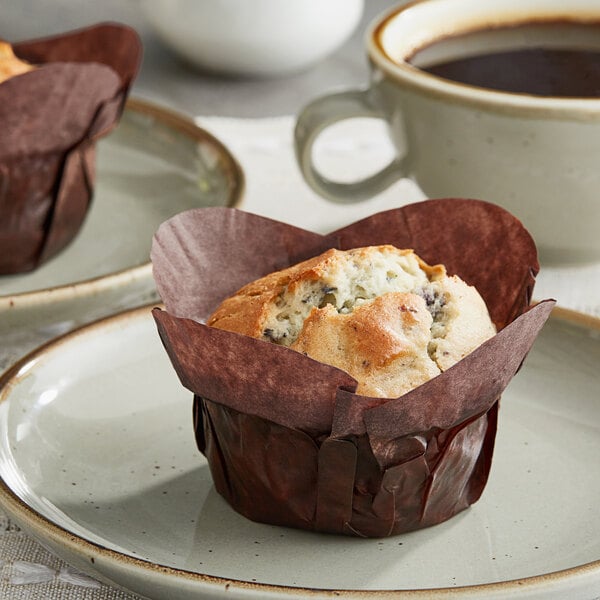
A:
535	153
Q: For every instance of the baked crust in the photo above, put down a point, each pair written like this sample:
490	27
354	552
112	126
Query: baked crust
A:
10	65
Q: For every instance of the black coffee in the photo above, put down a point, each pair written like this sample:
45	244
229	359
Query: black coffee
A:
543	59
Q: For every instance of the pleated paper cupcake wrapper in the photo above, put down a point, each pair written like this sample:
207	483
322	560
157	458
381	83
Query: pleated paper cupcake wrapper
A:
287	439
50	119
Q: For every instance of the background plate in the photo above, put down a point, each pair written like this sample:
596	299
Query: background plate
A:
98	461
152	166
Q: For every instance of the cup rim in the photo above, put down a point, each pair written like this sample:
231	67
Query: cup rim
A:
498	101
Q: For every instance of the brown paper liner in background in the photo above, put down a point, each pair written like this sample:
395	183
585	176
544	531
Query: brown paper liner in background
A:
50	119
287	439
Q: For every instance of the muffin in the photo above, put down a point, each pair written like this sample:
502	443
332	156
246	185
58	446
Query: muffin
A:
58	96
379	313
344	441
10	65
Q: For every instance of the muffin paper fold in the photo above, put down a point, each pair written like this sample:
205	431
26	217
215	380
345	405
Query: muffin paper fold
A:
287	439
50	119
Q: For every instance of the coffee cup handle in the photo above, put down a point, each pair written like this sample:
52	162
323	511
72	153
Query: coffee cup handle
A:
320	114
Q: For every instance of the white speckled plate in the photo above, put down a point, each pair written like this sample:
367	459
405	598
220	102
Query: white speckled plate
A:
154	165
98	461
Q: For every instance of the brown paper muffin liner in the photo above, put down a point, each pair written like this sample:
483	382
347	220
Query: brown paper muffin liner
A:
50	119
287	439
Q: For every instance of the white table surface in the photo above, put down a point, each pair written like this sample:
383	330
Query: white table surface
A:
255	119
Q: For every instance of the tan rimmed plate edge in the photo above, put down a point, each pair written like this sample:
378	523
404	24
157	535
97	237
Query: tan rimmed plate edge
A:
93	556
141	272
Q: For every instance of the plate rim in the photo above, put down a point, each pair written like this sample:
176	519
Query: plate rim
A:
174	120
42	529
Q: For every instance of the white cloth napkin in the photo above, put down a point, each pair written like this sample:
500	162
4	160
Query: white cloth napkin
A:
274	188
